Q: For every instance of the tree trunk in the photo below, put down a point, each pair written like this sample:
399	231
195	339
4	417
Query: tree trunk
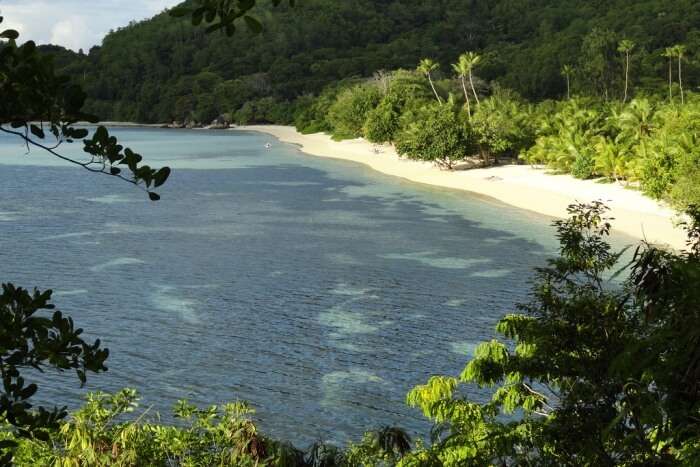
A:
680	78
568	87
670	80
471	82
430	79
466	96
627	75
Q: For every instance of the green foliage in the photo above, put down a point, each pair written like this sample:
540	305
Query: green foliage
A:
599	373
382	122
38	105
652	145
403	89
141	71
433	132
599	61
583	166
33	337
222	14
566	135
105	431
349	112
503	126
312	113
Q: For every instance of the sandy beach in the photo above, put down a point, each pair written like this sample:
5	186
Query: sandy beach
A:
521	186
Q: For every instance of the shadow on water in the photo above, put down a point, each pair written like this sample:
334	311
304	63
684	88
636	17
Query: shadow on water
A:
320	298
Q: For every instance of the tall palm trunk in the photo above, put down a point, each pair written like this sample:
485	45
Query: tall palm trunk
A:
670	80
680	78
471	82
437	96
568	87
466	96
627	75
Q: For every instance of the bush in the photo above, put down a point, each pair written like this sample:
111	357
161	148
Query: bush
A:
349	112
433	133
404	90
584	166
503	126
686	190
311	114
381	123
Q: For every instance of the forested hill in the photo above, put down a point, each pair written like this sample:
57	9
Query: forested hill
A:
164	69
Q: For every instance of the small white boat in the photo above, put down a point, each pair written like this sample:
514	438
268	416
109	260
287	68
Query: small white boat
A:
268	146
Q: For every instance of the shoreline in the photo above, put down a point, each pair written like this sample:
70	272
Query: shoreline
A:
521	186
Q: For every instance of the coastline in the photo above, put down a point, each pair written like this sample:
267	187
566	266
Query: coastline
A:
521	186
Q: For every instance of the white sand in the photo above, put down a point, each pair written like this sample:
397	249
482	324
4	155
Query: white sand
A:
518	185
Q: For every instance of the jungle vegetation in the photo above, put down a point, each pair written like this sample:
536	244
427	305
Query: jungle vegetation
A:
596	89
600	367
165	69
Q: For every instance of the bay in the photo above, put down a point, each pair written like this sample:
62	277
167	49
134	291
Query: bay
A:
316	289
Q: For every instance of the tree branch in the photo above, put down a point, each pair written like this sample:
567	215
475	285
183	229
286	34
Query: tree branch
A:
85	165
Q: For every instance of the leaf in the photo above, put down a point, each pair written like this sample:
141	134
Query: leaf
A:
161	176
9	34
29	391
197	16
101	134
253	24
36	131
80	133
214	27
8	443
180	12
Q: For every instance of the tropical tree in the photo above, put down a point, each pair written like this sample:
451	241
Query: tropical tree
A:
598	60
590	372
625	47
502	126
471	60
462	70
610	158
349	112
637	120
670	53
433	132
427	67
567	72
679	53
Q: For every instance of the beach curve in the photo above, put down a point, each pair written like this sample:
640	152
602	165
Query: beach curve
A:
521	186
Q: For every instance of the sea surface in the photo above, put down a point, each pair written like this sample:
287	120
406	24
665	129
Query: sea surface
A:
316	289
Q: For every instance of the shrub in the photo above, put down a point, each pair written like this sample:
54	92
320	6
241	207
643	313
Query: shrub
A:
348	113
503	126
381	123
584	166
434	133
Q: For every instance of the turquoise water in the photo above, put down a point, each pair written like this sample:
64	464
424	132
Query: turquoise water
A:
316	289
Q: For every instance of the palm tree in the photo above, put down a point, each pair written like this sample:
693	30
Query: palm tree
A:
462	70
669	52
471	60
679	52
626	46
427	66
567	71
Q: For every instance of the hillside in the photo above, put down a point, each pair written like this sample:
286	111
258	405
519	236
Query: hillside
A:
164	69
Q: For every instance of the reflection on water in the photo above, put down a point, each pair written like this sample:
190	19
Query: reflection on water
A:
316	289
